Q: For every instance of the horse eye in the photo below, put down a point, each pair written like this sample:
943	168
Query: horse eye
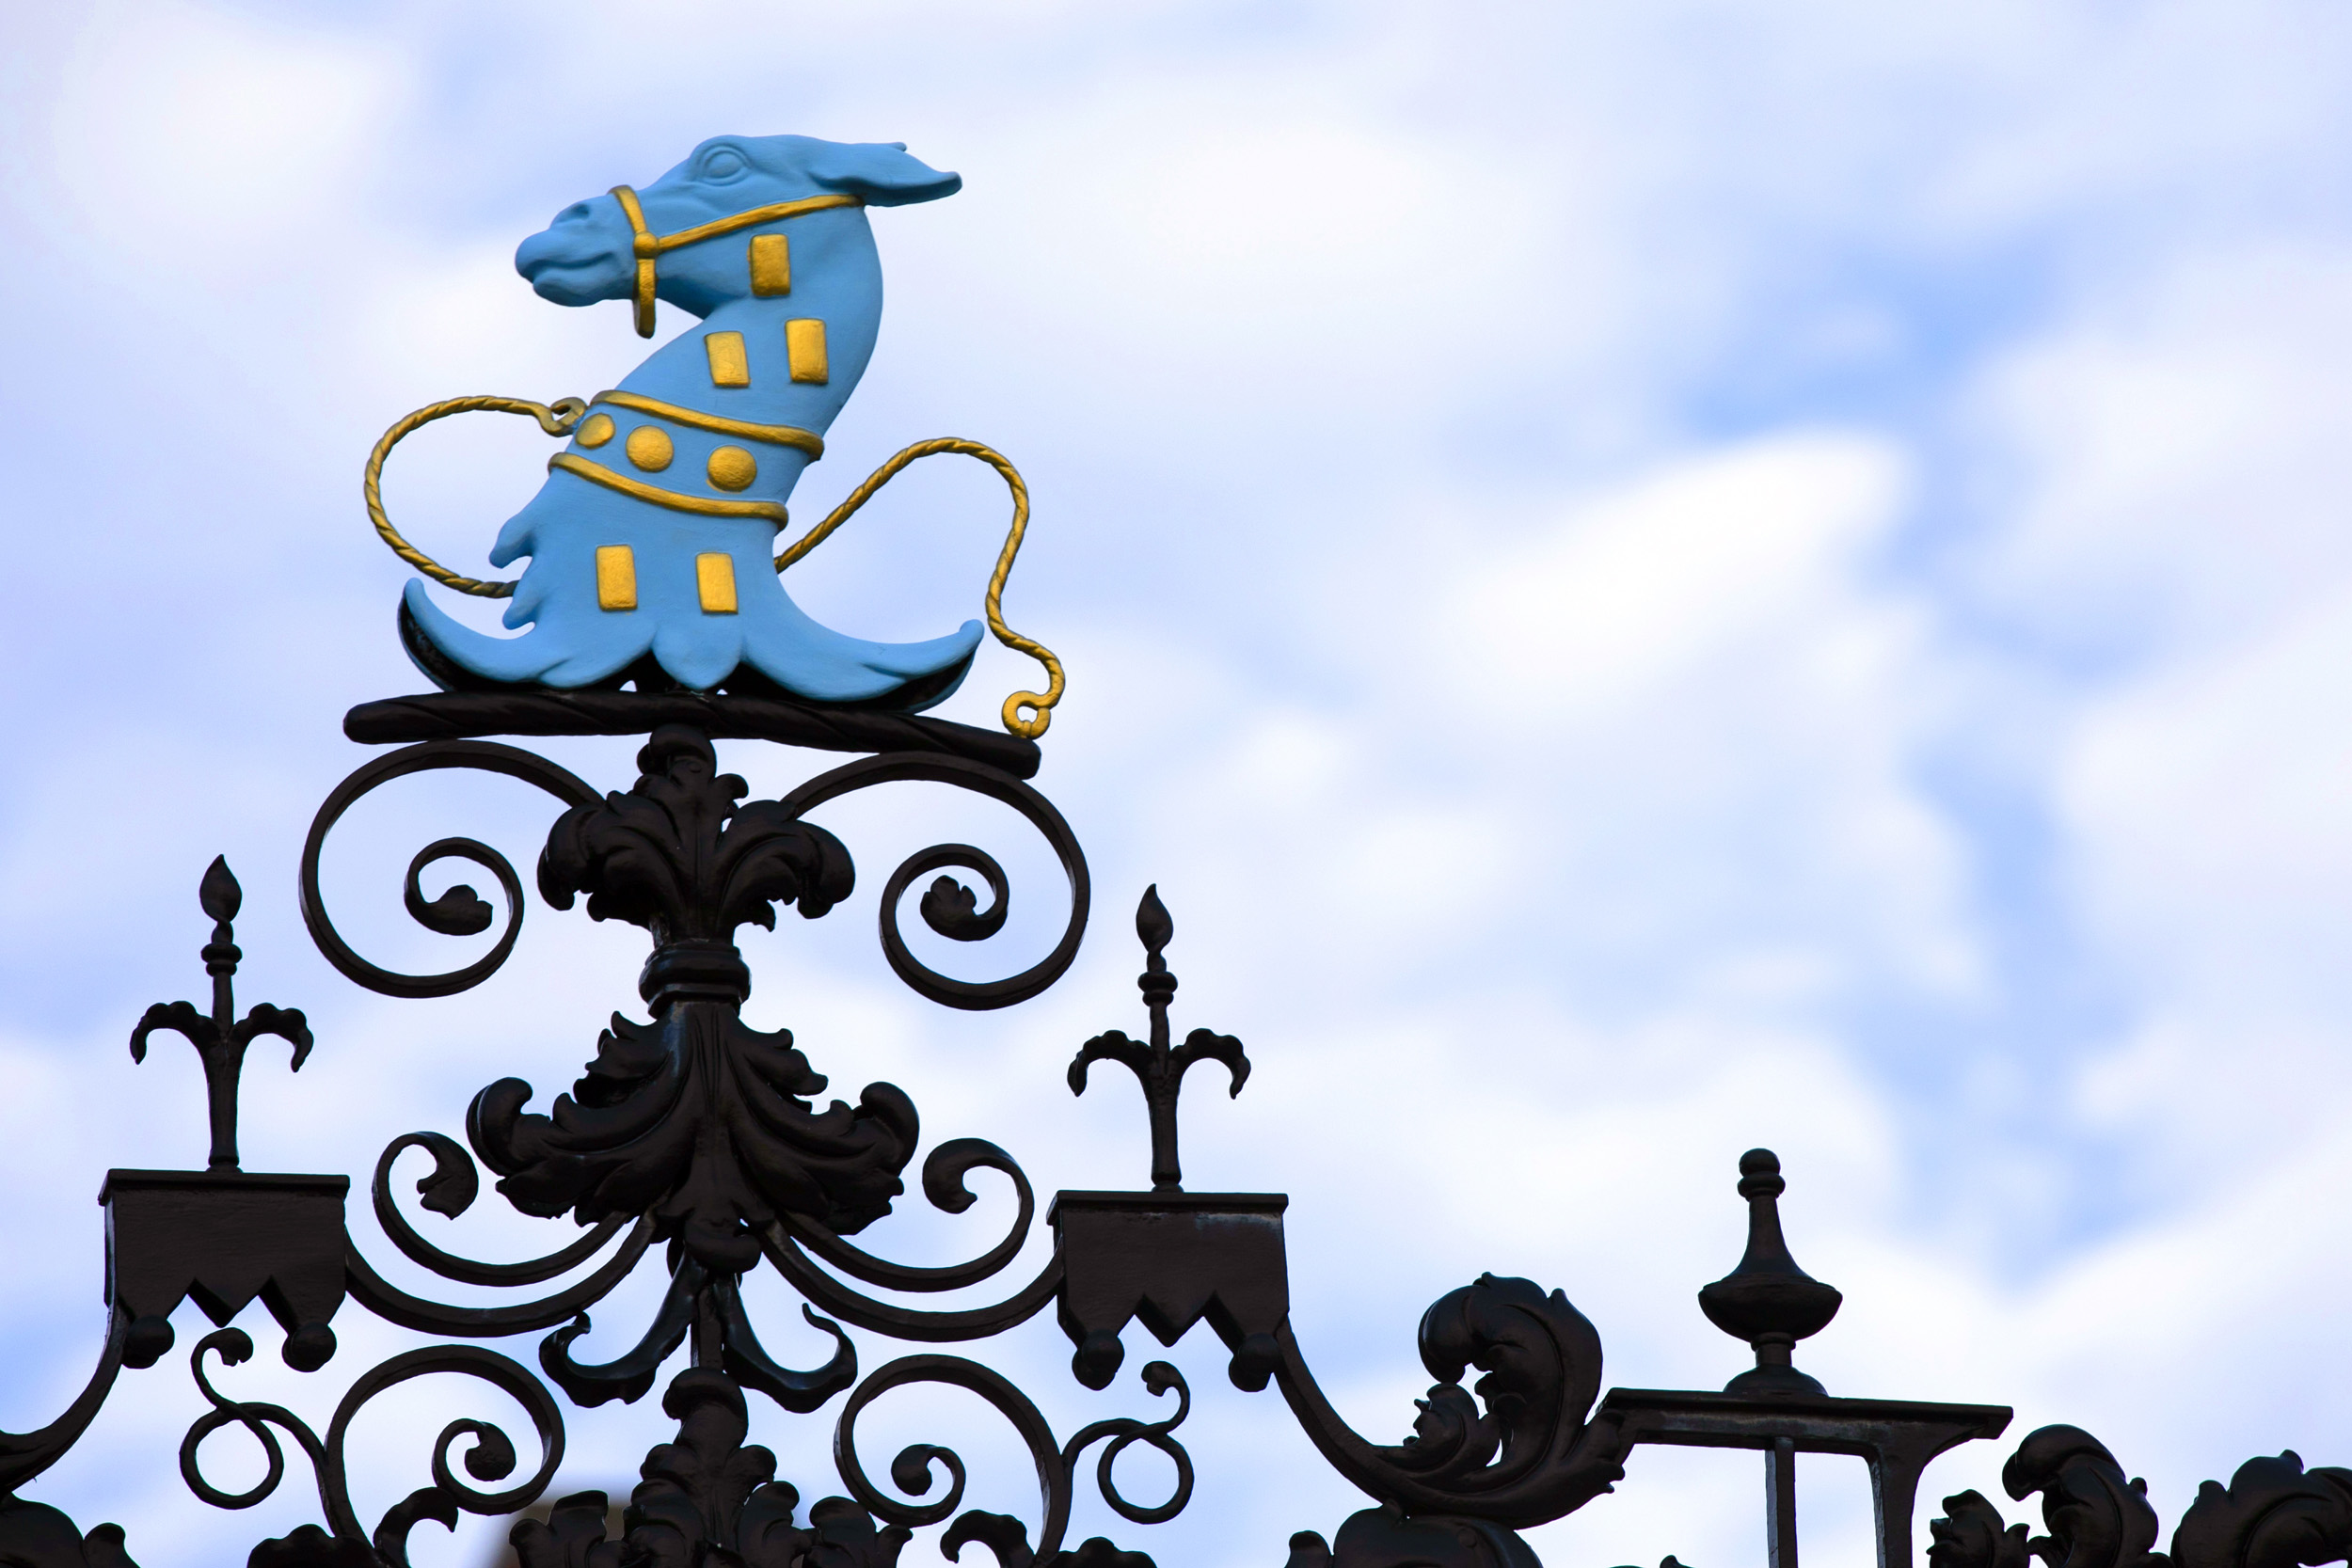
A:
724	164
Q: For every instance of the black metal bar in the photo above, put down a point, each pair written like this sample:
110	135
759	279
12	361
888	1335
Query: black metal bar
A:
1897	1437
1780	1503
467	715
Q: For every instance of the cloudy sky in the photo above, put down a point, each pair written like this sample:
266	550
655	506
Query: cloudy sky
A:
1646	578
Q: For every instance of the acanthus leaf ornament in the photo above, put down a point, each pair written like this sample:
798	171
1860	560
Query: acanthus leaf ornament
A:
2274	1514
683	857
1529	1456
707	1496
697	1118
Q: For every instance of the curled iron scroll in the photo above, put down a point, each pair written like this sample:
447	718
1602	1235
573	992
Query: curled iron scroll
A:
911	1472
1057	1467
26	1454
1125	1432
458	911
944	1174
491	1455
451	1190
947	907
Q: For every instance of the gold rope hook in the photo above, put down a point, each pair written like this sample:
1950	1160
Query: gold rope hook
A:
556	419
1039	704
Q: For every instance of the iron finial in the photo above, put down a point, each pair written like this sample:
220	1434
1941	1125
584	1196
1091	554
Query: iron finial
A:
1768	1301
220	1039
1157	1066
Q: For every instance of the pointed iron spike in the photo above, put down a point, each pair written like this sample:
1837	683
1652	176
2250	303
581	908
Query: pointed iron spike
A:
1152	923
218	893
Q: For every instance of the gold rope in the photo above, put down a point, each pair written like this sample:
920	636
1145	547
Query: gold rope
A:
1039	704
556	419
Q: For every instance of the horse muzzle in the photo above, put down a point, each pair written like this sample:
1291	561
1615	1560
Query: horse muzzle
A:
583	258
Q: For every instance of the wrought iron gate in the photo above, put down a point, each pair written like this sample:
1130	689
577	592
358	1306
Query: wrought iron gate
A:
698	1139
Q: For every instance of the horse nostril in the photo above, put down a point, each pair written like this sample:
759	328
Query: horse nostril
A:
573	214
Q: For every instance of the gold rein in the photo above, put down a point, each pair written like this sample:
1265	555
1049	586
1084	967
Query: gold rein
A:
1040	704
556	419
559	419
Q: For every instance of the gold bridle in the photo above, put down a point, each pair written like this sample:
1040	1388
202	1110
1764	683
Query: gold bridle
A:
647	246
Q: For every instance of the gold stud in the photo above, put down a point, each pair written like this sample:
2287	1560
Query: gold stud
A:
616	578
714	578
649	446
728	368
732	468
804	345
594	431
771	266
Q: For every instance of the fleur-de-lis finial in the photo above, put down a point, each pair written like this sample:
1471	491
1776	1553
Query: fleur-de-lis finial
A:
220	1039
1157	1066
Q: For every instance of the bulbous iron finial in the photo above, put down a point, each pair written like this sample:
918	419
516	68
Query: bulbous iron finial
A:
1768	1301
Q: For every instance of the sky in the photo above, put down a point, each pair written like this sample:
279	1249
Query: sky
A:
1645	580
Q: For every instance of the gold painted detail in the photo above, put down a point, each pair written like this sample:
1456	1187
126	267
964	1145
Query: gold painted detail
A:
744	430
556	419
1039	704
594	431
771	266
649	446
646	245
616	578
728	367
732	468
804	346
708	506
714	579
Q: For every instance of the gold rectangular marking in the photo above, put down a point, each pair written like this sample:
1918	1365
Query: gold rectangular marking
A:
714	578
804	345
728	368
616	578
771	266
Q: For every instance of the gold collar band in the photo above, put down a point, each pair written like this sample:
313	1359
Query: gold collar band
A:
646	245
774	434
708	506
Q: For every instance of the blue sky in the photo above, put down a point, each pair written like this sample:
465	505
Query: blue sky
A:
1646	578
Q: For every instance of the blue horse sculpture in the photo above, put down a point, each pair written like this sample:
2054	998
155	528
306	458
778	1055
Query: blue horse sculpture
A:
654	531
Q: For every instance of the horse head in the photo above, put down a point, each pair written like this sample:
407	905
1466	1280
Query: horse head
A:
599	249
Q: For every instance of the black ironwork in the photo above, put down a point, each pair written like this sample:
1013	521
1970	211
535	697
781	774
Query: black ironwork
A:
220	1036
696	1131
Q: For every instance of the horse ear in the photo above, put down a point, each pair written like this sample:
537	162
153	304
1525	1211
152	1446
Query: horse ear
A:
882	172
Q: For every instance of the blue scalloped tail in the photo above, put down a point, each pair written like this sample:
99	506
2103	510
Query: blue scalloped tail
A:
774	638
